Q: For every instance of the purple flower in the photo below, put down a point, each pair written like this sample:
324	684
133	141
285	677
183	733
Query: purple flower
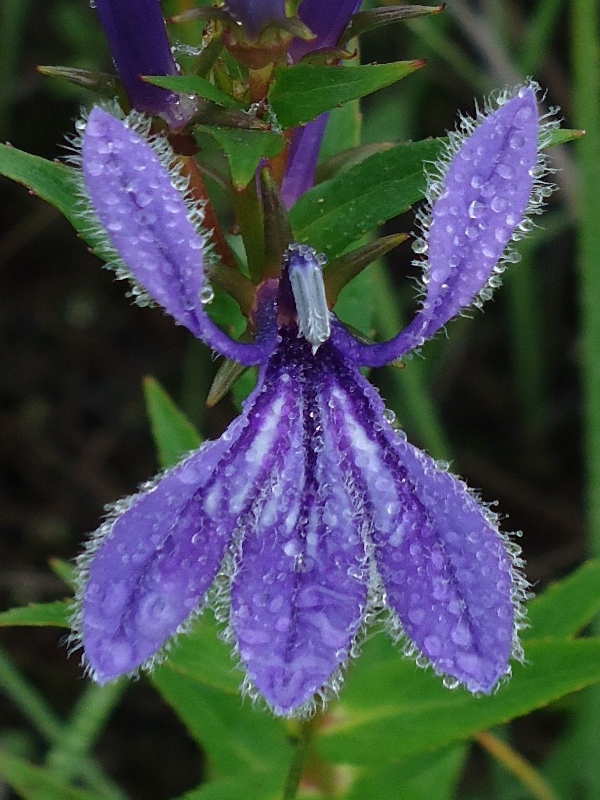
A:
311	506
327	19
255	15
139	44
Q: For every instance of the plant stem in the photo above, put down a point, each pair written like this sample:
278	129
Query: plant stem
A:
515	763
303	743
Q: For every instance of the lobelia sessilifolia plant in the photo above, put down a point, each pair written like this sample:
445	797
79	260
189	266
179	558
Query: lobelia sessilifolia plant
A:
312	509
312	513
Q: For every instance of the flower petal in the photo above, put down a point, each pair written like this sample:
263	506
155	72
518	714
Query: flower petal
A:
151	564
446	569
483	198
302	160
148	223
327	19
139	44
256	14
300	592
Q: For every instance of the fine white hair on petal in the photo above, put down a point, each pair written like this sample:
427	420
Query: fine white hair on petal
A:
436	172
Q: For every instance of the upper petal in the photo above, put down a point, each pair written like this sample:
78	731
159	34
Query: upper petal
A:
447	571
476	206
148	223
300	589
153	561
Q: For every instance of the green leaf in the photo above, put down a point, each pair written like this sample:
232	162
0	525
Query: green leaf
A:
36	783
302	92
356	303
390	709
244	149
425	776
38	614
65	570
237	738
194	84
204	657
336	213
232	789
340	272
562	135
374	18
174	435
564	608
53	182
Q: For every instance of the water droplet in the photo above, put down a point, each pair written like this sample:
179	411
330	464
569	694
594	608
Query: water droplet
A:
523	114
498	204
432	644
207	294
419	246
416	615
476	209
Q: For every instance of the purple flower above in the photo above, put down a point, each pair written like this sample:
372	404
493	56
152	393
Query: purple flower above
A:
311	505
255	15
139	45
327	19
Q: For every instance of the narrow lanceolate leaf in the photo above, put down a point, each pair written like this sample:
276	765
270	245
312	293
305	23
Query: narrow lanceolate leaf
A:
52	182
378	17
194	84
205	658
32	782
565	607
425	776
237	739
174	435
389	710
302	92
38	614
563	135
228	373
232	789
102	82
340	272
65	571
338	212
244	150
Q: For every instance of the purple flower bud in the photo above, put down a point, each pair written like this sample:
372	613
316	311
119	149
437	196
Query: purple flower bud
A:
311	506
327	19
255	15
139	45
